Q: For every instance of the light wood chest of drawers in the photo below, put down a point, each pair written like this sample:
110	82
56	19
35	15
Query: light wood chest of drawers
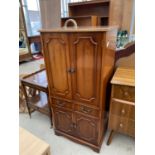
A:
122	105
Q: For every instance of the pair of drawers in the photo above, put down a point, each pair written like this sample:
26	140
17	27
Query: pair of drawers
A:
122	110
122	117
79	108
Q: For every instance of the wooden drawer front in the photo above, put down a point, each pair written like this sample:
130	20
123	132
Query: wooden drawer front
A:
119	109
61	104
86	110
131	128
132	112
119	124
124	92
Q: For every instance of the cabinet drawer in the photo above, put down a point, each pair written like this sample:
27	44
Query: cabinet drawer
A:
86	110
124	92
132	112
119	108
119	124
131	128
61	104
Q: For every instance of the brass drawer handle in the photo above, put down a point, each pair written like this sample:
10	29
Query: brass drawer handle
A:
85	110
121	125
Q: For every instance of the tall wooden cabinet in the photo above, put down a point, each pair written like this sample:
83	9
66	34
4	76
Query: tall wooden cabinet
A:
79	64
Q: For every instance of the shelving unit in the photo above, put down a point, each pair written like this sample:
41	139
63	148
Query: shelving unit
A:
97	7
95	13
82	20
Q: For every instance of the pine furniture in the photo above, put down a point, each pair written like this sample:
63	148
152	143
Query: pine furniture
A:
29	144
79	63
122	106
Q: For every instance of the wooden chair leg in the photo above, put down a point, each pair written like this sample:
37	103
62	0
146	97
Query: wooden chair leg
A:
110	137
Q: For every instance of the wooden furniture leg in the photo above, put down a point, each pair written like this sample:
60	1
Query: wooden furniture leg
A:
26	98
110	137
50	111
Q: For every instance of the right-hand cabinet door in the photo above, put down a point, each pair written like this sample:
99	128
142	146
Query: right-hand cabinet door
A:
87	128
86	52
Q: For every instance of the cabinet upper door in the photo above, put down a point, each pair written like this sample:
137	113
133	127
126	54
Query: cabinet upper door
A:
86	63
57	60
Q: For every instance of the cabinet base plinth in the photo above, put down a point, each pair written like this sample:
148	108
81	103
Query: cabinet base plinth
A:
96	148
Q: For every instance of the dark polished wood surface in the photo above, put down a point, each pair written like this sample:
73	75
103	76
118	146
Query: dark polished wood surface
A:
127	51
79	65
37	79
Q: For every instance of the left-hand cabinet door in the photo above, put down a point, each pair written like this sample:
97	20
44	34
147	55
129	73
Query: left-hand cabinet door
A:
57	60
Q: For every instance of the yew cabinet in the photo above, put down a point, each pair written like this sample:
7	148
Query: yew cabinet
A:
79	63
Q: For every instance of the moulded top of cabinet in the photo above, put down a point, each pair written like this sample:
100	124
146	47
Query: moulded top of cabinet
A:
124	76
81	29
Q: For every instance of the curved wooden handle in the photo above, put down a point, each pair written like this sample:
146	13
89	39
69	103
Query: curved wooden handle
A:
70	21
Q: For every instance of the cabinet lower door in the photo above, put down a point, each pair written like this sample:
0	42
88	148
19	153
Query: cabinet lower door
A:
63	120
86	128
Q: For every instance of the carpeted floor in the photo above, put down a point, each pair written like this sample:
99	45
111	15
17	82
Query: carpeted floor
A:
39	125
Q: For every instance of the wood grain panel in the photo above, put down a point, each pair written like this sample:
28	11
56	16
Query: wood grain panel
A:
86	128
61	104
132	112
86	110
127	14
131	128
124	92
63	120
57	51
89	9
118	123
119	109
86	58
116	15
